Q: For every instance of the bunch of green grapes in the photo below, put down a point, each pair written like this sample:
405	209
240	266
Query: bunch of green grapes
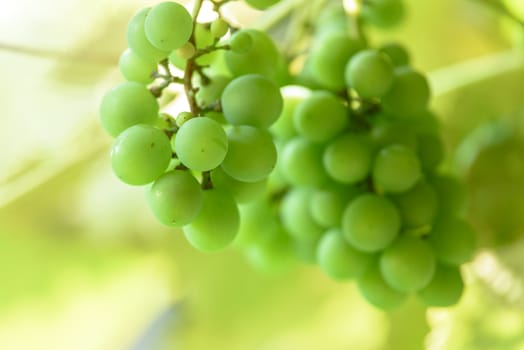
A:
336	164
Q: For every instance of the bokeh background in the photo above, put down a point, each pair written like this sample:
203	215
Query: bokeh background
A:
85	266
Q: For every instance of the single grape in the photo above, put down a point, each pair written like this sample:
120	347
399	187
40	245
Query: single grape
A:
329	56
292	95
261	4
383	13
453	240
408	264
301	163
252	100
409	94
260	56
125	105
137	40
217	223
183	117
338	259
370	222
251	155
243	192
140	154
348	158
296	216
396	169
370	73
445	288
219	28
377	292
168	26
430	149
175	198
320	117
397	53
186	51
417	206
201	144
134	68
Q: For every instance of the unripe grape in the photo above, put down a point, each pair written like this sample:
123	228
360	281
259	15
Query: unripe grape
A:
408	264
137	40
134	68
370	73
396	169
370	222
445	288
140	154
219	28
409	93
201	144
377	292
261	4
168	25
453	240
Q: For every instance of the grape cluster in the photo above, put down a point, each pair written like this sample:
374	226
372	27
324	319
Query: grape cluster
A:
337	164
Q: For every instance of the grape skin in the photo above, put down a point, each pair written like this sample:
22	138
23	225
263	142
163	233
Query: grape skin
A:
370	73
168	26
134	68
445	289
137	40
377	292
370	222
175	198
125	105
396	169
140	154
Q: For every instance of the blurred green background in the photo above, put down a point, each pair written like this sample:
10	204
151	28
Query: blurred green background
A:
84	265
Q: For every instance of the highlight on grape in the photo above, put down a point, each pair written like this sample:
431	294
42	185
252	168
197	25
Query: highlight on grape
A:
334	162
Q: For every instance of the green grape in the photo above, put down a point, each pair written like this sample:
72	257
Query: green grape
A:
137	40
320	117
327	205
258	223
274	255
383	13
408	264
210	93
251	156
338	259
201	144
453	240
329	56
168	26
409	94
241	42
292	95
386	131
243	192
183	117
396	169
175	198
134	68
397	53
347	158
261	4
252	100
296	215
430	150
333	17
125	105
176	60
370	222
140	154
451	194
203	39
186	51
301	162
377	292
216	116
217	223
260	58
417	206
370	73
219	28
445	288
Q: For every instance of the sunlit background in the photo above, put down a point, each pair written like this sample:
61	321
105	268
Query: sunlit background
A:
85	266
